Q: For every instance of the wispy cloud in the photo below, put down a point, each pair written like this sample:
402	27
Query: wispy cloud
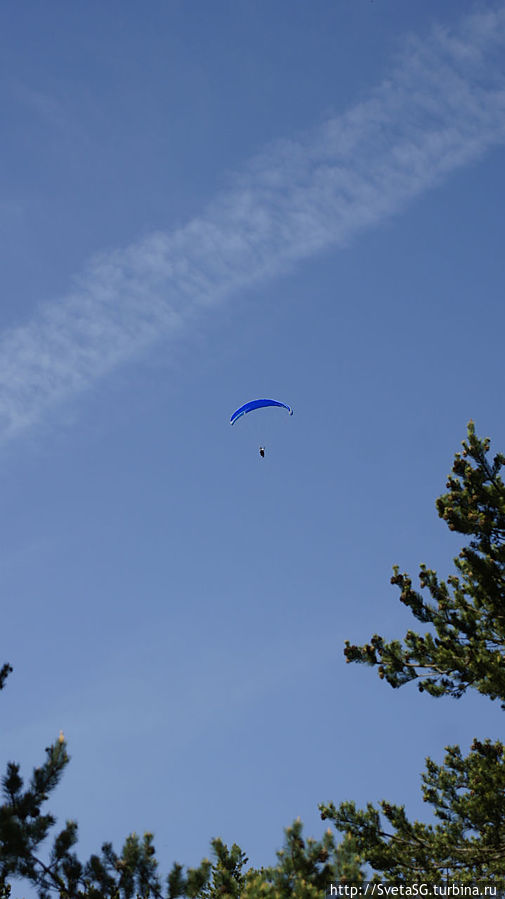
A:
442	107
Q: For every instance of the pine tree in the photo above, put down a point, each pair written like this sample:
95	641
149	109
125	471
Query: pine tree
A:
303	870
24	827
306	867
463	648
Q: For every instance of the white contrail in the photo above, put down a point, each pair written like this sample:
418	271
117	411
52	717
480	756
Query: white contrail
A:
443	106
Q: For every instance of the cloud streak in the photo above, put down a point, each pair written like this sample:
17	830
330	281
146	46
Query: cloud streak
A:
441	108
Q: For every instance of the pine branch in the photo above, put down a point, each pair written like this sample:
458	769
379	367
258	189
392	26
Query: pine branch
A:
466	644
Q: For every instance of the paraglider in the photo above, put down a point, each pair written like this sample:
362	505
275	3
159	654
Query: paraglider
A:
257	404
251	407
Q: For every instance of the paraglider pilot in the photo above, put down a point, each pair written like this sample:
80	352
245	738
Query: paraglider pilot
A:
262	452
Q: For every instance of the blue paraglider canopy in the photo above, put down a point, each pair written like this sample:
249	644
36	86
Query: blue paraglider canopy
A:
257	404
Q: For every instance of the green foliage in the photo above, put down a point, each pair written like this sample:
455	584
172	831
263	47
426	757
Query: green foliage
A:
305	867
467	795
22	825
464	648
226	876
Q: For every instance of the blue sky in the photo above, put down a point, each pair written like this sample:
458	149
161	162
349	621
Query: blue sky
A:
201	204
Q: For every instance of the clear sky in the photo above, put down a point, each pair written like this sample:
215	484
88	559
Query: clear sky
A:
203	203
